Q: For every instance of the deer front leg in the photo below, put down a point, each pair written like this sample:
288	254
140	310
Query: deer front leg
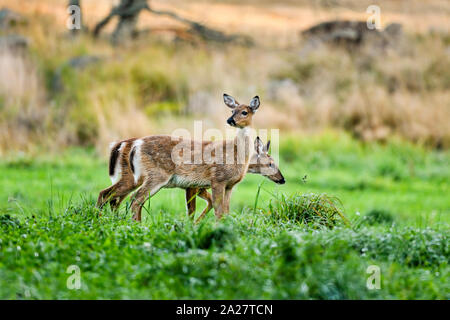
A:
218	195
227	199
204	194
191	195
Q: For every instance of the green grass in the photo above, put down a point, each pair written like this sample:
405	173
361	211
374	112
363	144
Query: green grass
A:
394	196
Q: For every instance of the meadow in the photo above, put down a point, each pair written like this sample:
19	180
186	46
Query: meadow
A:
399	221
364	147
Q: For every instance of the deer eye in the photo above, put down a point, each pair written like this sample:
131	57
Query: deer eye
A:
244	113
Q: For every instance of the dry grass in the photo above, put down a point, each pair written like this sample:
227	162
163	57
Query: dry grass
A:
22	106
404	92
155	86
277	20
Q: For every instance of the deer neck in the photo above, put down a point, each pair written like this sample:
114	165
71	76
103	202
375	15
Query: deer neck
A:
243	133
244	140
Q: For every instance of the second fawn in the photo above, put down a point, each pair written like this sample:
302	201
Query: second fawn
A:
260	163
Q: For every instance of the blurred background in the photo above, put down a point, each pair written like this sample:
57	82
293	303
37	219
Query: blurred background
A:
141	67
364	132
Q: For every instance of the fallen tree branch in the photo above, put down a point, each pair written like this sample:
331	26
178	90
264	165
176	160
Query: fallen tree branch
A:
125	11
203	31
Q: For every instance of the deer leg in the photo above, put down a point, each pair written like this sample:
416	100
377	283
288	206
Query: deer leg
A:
218	195
191	194
204	194
227	199
123	189
105	196
116	201
147	190
116	193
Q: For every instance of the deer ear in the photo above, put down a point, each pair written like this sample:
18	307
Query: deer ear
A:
259	146
254	104
230	101
267	146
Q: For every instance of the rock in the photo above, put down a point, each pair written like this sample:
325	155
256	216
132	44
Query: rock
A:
394	30
9	18
352	35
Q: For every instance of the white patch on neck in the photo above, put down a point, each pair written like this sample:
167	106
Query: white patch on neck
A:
137	162
117	167
243	132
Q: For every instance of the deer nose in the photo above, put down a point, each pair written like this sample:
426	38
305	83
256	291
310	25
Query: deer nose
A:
231	122
282	181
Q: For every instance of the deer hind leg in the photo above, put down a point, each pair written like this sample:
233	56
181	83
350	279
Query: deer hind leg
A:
191	195
105	196
124	187
149	188
204	194
218	197
116	201
115	193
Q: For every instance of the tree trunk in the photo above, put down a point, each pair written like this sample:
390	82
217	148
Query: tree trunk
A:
128	18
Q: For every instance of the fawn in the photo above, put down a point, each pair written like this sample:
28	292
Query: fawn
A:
260	163
153	166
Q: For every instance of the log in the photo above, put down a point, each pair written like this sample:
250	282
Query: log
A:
128	11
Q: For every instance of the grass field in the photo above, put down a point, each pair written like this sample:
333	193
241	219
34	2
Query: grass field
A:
395	196
364	140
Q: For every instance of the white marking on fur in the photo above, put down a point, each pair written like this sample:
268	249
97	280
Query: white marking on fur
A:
244	132
112	144
117	167
137	163
242	135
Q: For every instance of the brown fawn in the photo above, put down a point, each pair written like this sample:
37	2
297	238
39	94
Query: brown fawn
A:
153	165
260	163
123	181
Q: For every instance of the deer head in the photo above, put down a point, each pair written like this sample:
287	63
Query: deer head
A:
262	163
242	114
